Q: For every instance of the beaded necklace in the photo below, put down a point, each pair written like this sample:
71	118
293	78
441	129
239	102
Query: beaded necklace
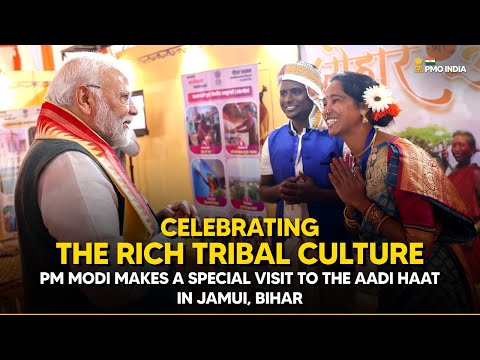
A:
366	152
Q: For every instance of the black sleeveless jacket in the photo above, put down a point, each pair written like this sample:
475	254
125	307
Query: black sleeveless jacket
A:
39	253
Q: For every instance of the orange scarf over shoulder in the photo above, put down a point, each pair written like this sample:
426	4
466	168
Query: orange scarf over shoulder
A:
55	122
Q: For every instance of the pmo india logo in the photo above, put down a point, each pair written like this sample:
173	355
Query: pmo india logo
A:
432	67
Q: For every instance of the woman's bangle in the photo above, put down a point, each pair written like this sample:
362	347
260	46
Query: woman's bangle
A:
375	216
365	214
351	223
381	222
347	219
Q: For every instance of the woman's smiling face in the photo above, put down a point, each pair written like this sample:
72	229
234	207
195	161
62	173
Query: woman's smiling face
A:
341	112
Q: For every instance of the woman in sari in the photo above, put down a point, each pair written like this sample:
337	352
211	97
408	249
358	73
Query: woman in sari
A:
395	192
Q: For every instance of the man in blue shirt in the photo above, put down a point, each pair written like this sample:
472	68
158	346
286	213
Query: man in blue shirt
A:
295	163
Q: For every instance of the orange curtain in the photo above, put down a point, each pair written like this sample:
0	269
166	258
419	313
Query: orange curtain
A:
47	57
17	62
14	61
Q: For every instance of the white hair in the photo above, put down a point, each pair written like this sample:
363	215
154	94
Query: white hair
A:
84	68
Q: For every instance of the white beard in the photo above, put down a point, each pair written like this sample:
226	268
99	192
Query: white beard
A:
110	127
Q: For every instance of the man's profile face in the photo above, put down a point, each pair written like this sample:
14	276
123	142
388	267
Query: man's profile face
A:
114	112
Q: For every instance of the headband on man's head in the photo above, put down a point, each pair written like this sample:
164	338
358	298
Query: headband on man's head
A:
311	77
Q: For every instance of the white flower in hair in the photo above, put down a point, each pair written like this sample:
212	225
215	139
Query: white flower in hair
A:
378	97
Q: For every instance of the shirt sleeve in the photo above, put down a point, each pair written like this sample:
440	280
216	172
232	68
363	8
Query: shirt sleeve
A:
79	204
265	164
77	201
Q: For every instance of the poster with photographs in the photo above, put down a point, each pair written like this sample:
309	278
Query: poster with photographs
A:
17	130
222	129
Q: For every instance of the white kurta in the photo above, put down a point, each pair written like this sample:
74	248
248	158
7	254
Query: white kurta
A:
290	211
79	204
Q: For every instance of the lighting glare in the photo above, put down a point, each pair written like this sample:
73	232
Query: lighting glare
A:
127	69
195	60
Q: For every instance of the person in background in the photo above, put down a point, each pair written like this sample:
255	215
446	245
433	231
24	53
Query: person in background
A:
207	140
71	188
466	178
248	125
395	192
264	117
132	149
295	162
204	129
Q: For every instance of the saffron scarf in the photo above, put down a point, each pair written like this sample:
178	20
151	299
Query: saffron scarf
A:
55	122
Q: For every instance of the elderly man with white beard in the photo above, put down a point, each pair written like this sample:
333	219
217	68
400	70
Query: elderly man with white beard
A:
72	188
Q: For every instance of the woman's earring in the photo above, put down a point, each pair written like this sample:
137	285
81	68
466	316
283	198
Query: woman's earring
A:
364	118
325	115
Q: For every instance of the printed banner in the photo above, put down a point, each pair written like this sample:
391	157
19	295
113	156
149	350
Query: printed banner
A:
17	129
436	86
222	129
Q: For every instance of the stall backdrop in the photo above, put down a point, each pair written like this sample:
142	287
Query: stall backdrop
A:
17	129
436	86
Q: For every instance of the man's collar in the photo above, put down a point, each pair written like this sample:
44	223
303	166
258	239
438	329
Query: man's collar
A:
294	132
